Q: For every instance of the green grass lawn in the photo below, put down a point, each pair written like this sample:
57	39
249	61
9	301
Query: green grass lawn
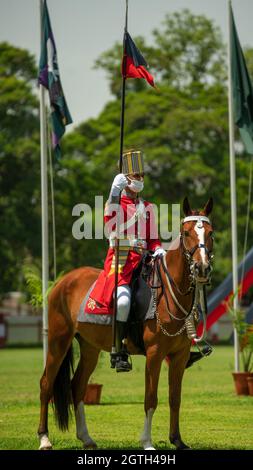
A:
212	416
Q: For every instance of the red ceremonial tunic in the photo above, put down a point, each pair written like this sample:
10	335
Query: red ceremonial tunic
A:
137	227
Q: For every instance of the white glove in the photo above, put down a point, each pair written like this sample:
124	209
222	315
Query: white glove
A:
159	251
120	182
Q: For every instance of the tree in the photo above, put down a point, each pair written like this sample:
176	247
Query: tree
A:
179	127
19	164
187	50
182	127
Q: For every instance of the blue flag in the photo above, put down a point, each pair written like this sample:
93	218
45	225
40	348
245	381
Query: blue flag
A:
49	77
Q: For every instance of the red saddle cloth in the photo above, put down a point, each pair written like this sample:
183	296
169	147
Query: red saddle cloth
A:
100	300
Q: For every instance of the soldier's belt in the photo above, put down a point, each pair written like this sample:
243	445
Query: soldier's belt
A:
128	244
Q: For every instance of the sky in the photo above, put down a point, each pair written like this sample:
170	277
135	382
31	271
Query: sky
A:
83	29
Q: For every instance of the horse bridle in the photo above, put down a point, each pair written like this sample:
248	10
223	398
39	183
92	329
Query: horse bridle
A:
189	253
193	288
189	256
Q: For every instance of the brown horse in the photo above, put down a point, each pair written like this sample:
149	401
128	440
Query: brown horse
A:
186	264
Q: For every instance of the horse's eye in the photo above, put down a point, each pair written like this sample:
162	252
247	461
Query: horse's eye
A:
210	234
186	233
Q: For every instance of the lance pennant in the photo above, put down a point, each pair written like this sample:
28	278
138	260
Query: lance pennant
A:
133	63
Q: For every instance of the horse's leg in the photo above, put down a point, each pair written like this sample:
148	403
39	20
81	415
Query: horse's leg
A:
45	444
57	349
87	363
153	367
176	371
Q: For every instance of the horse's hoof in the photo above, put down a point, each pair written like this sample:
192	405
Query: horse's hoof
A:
180	445
184	447
90	445
147	446
45	443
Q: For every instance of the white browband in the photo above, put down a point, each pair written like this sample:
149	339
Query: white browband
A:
196	218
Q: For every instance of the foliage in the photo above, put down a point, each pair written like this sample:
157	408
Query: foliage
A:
244	333
185	52
34	284
182	127
19	165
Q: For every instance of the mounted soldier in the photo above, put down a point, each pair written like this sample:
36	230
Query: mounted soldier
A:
137	235
182	273
168	333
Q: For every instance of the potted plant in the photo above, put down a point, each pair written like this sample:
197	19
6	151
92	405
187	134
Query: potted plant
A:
93	394
243	380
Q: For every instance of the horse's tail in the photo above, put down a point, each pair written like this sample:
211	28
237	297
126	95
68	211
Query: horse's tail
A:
62	392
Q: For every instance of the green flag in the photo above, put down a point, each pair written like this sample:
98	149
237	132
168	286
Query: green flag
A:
49	77
242	90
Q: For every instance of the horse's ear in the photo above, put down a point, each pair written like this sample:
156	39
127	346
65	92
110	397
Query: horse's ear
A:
186	207
209	206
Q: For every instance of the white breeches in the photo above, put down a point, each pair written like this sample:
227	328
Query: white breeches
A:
124	302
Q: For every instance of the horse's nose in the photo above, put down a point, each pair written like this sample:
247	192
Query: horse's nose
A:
202	270
207	270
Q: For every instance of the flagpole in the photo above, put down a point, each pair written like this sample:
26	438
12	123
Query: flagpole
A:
233	189
122	119
122	122
44	207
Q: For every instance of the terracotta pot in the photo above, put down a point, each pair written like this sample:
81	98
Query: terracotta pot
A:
93	394
241	384
250	385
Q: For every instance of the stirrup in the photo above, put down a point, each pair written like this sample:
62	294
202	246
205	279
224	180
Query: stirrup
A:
119	360
122	363
196	356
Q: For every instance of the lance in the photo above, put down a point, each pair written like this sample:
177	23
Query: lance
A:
116	249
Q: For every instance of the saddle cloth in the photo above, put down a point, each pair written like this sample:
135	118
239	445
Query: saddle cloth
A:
142	305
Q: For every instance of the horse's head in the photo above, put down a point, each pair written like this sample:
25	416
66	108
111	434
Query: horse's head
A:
197	240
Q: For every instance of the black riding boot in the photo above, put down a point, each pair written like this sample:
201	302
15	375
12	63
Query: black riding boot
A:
119	360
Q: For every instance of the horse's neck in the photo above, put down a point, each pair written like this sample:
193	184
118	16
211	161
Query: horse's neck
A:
178	268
